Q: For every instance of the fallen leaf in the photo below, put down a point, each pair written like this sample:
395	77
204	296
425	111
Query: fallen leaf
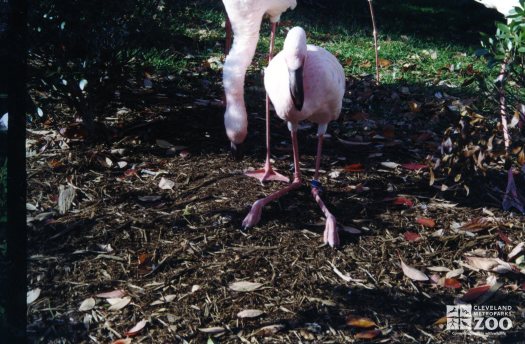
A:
354	168
414	166
166	184
249	313
32	295
350	229
361	322
164	144
411	236
112	294
87	304
482	263
452	283
426	222
403	201
389	164
212	330
474	293
477	224
441	321
164	299
413	273
122	341
454	273
365	64
384	63
438	268
371	334
136	329
118	303
270	330
516	250
65	198
245	286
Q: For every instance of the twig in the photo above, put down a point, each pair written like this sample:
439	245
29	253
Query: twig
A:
503	105
375	39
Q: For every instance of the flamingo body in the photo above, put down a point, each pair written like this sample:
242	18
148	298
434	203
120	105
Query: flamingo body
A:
324	87
304	82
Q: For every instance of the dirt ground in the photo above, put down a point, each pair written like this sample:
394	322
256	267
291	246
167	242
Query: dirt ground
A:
177	254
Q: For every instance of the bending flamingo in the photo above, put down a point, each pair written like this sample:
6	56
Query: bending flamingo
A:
303	82
244	18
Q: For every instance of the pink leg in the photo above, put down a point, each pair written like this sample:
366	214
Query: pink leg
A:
330	236
267	173
254	216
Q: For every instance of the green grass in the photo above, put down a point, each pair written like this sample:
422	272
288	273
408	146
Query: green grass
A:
426	41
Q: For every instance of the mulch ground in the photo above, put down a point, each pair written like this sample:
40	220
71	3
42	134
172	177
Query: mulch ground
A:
174	254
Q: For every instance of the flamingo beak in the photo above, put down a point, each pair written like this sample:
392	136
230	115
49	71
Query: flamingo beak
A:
237	151
296	87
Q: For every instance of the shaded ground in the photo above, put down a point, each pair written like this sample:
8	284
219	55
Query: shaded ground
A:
186	245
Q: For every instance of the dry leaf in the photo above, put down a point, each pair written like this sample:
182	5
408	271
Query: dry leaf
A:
87	304
32	295
411	236
270	330
482	263
118	303
441	321
413	273
477	224
454	273
368	334
384	63
166	184
354	168
122	341
414	166
452	283
360	322
474	293
403	201
245	286
389	164
164	299
249	313
516	250
112	294
426	222
212	330
136	329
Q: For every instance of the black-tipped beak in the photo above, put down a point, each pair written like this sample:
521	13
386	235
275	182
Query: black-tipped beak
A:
296	87
237	151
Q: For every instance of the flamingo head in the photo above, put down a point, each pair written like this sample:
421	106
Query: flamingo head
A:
294	51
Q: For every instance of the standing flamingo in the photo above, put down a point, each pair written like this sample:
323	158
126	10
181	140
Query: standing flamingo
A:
244	18
303	82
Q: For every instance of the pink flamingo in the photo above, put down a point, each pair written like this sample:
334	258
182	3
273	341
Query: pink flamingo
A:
304	82
244	18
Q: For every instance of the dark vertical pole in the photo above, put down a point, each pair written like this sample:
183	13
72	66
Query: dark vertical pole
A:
16	172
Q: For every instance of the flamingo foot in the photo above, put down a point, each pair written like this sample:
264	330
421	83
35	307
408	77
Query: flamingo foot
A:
267	174
254	216
331	237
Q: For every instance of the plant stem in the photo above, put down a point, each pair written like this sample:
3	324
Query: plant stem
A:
503	104
375	39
